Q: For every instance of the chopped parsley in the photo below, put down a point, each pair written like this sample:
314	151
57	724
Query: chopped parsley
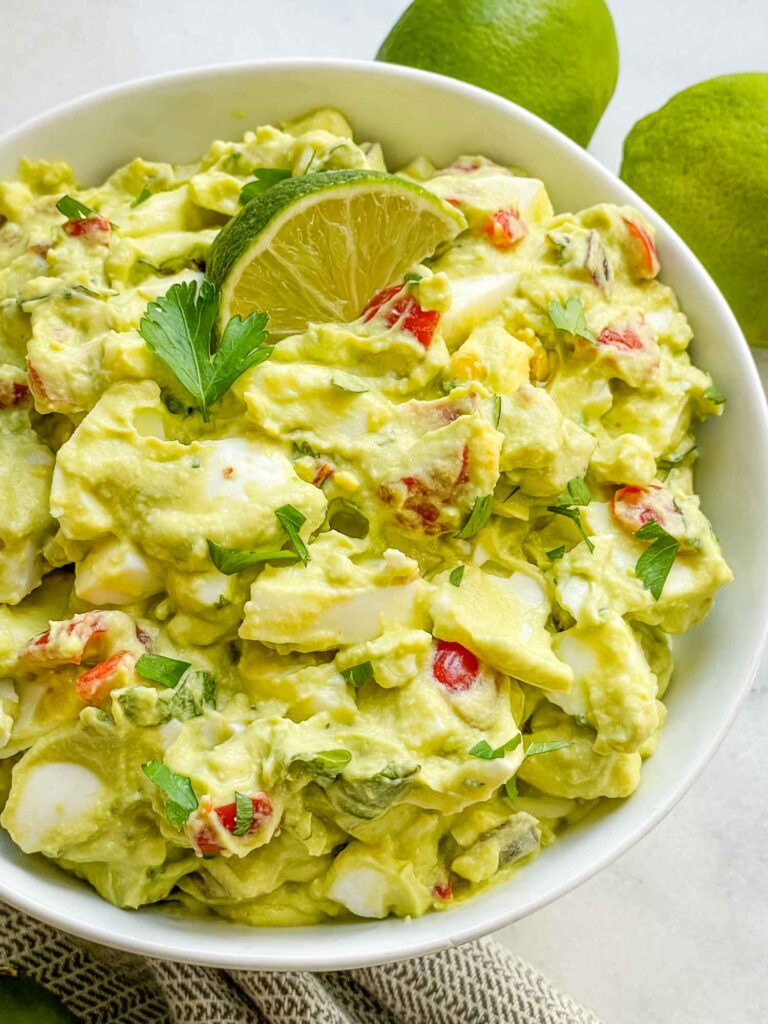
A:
243	814
263	180
73	209
654	564
456	576
179	328
575	516
142	197
232	560
159	669
180	797
358	674
478	517
291	521
510	787
715	396
571	319
496	410
577	494
305	448
534	749
674	460
484	750
412	277
556	553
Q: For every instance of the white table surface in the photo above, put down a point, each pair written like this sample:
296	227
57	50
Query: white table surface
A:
675	932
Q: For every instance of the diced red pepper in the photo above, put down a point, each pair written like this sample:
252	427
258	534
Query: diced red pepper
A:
443	890
625	340
418	322
647	259
506	228
143	637
95	685
95	229
427	494
323	472
206	841
463	476
12	392
634	506
454	666
36	384
84	627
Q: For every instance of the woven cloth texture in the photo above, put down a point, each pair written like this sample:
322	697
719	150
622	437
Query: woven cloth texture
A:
481	983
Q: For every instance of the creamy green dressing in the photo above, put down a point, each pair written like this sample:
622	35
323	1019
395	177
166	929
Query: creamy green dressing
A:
459	672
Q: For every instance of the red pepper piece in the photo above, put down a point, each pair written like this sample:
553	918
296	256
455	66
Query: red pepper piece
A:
506	228
454	666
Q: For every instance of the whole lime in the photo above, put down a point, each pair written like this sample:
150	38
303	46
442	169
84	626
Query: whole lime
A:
702	162
557	58
23	1001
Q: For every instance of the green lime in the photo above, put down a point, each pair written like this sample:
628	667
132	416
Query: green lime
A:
557	58
702	162
317	248
23	1001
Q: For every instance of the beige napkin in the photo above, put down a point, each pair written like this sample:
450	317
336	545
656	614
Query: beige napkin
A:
480	983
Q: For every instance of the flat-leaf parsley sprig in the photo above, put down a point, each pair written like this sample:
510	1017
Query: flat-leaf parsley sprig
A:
179	328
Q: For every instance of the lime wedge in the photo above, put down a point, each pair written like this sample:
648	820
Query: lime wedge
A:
317	248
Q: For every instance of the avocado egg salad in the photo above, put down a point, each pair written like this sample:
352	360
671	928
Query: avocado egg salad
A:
347	517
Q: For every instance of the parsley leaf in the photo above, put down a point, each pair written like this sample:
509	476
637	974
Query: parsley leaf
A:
496	410
456	576
181	800
231	560
674	460
534	749
305	448
243	814
570	318
478	517
264	179
412	277
510	787
178	327
575	516
484	750
358	674
159	669
654	564
578	493
73	209
291	520
142	197
556	553
715	396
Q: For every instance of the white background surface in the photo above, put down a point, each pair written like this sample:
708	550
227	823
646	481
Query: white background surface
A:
676	932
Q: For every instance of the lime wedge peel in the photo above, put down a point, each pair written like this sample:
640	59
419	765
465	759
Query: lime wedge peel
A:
317	248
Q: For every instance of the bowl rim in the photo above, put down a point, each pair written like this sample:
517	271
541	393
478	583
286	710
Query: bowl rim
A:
399	945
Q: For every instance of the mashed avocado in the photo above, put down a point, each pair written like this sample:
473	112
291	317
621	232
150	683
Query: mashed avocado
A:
487	483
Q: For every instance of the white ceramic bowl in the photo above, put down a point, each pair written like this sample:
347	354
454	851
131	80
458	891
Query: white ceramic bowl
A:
175	117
